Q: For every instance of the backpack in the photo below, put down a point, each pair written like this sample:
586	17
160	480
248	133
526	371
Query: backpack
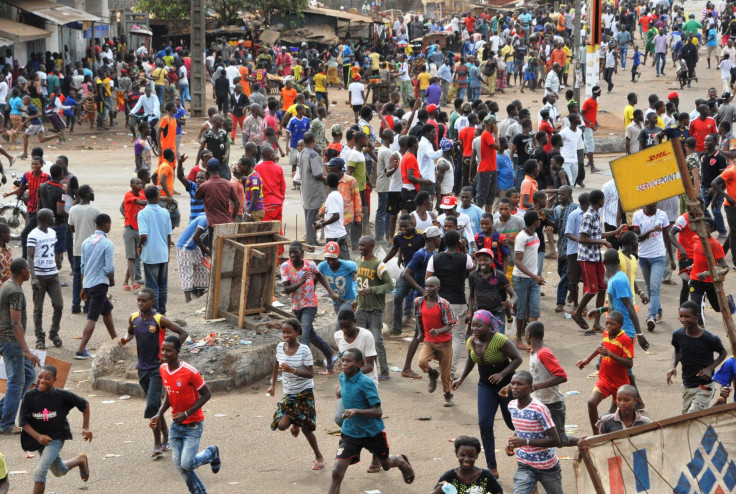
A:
489	69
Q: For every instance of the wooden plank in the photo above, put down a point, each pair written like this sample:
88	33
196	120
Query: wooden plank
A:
251	270
243	287
231	318
279	311
257	253
233	243
217	269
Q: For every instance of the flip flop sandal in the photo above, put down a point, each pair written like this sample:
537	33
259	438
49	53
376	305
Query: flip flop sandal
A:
135	286
374	468
84	474
318	465
408	478
522	346
126	288
165	447
157	453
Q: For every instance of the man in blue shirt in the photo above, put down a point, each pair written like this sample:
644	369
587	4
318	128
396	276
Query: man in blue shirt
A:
154	230
98	274
725	377
572	228
362	426
473	80
295	130
444	74
190	249
340	275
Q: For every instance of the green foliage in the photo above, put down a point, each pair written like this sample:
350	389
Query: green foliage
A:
169	10
229	11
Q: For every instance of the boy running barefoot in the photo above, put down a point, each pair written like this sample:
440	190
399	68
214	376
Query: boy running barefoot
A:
148	327
616	353
435	320
43	413
362	426
694	347
186	394
534	440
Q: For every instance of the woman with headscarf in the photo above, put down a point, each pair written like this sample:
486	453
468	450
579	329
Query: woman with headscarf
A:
497	359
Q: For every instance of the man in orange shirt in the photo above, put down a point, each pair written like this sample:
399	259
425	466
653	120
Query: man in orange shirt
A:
288	95
165	178
529	184
558	55
244	82
167	132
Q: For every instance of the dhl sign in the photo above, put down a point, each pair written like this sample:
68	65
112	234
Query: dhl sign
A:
648	176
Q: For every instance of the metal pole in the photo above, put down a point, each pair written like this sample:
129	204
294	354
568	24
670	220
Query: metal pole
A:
577	44
198	79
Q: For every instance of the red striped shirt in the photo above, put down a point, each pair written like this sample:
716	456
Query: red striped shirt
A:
34	182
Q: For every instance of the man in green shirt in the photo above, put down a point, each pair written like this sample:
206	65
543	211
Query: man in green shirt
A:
692	26
374	282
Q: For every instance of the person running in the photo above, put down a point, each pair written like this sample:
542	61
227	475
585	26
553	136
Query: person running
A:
694	347
98	275
534	439
186	394
497	359
296	410
362	426
490	289
148	327
43	417
617	355
435	320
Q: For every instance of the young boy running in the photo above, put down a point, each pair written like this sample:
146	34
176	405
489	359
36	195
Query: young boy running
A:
435	320
362	426
488	238
186	394
43	413
490	289
534	440
694	347
148	327
617	352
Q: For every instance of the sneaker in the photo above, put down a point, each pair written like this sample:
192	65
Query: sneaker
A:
448	400
56	340
40	345
432	385
650	324
11	431
216	463
395	332
83	355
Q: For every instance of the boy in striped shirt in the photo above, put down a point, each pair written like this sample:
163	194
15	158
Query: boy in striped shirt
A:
534	439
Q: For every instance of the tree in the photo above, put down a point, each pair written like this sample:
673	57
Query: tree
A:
169	10
230	11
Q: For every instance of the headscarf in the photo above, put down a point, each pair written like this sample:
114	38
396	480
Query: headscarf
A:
487	318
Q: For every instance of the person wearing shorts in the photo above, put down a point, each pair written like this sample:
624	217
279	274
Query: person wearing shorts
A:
148	327
34	130
98	273
359	396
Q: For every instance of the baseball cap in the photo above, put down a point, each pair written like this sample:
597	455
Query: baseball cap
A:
332	250
336	129
448	202
487	252
596	89
432	232
446	144
337	163
213	163
490	119
431	108
726	94
673	95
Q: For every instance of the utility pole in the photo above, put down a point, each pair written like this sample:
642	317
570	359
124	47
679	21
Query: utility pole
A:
197	81
578	46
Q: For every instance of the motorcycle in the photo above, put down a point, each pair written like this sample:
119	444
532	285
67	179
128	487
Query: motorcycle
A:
16	213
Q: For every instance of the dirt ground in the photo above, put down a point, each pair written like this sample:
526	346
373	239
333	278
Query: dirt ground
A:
255	459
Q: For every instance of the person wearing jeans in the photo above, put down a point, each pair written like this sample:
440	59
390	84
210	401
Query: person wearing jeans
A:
187	418
298	275
154	237
650	223
18	359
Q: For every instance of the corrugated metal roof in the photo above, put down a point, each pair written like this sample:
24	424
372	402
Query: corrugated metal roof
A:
54	12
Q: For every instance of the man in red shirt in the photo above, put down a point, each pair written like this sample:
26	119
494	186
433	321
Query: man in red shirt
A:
30	181
133	202
466	135
410	176
590	118
470	23
274	187
186	394
487	175
701	127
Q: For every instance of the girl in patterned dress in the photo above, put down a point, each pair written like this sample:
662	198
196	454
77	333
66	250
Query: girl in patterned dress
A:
296	409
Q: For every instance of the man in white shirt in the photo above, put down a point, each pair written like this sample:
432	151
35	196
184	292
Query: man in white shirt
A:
427	156
3	90
150	104
552	82
571	137
632	132
406	88
332	220
142	51
357	98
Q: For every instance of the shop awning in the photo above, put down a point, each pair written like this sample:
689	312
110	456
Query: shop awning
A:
54	12
17	32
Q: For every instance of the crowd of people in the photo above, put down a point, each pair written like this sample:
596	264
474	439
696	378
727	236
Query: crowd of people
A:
469	201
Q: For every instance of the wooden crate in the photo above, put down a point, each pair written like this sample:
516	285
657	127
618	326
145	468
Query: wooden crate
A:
244	263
